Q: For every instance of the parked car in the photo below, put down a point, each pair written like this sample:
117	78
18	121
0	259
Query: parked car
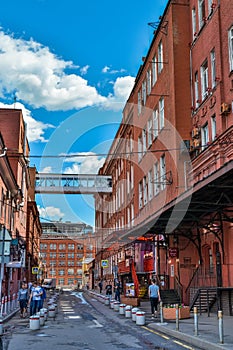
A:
49	283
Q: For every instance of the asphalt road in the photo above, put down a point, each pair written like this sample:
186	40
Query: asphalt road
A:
85	324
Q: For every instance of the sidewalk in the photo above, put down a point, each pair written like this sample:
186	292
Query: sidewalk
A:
208	329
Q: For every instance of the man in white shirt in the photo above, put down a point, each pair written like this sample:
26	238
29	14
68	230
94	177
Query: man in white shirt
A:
35	298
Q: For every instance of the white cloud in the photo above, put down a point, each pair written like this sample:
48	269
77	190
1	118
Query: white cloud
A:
84	163
105	69
108	70
47	170
38	77
51	212
84	69
122	88
35	129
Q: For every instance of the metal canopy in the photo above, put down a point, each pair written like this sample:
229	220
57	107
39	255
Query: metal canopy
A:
208	203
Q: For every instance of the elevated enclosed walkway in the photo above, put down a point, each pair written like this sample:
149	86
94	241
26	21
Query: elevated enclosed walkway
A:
72	184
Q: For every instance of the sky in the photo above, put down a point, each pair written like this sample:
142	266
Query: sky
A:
70	66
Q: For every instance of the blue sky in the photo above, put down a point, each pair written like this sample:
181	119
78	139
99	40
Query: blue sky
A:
71	66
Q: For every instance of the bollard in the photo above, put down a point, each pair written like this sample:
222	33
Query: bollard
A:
177	317
128	311
116	306
140	318
122	309
161	311
195	314
133	312
1	326
112	303
52	311
45	313
107	301
35	322
42	319
220	326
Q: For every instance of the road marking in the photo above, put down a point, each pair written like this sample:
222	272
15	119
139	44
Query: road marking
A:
96	325
183	345
157	333
167	338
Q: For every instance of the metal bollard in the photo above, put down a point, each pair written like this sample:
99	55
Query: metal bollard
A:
220	326
177	317
161	311
195	314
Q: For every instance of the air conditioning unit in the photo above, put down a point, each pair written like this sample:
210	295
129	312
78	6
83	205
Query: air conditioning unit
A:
195	132
196	143
225	108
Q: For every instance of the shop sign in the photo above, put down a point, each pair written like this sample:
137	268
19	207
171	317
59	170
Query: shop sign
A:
173	252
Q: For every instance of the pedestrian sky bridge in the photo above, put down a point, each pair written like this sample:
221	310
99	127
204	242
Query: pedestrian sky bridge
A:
72	184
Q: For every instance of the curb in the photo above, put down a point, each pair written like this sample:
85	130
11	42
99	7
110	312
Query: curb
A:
9	316
190	339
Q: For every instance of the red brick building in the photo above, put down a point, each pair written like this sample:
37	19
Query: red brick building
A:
15	185
171	160
66	248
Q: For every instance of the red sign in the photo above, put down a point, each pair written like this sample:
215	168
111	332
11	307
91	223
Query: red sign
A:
173	252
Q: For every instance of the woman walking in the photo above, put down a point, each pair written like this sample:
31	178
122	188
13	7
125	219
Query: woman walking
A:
23	300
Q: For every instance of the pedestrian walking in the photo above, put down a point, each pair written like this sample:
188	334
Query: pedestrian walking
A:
35	298
23	300
43	296
117	291
154	296
101	286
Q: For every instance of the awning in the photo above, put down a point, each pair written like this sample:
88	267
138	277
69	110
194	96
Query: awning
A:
14	264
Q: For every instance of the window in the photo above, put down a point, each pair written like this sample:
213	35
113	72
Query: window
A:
70	255
61	255
194	23
139	148
144	141
231	48
139	102
156	179
71	246
150	131
53	246
160	57
140	194
204	80
204	136
163	172
62	246
70	263
154	70
144	190
150	185
155	124
132	176
144	92
161	113
148	78
201	13
196	89
70	272
61	272
213	68
213	127
61	281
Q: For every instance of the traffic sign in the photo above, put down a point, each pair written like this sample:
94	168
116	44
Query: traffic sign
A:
35	270
104	263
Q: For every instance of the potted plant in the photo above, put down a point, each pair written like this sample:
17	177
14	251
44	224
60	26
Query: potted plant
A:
169	311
